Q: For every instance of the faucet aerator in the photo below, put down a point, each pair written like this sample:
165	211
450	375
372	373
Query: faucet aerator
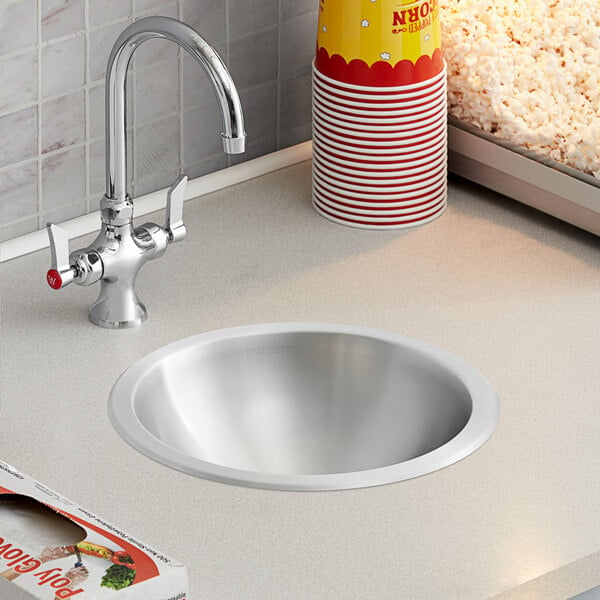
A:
234	145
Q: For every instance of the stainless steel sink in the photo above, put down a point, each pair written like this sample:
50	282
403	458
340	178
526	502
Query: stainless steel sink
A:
303	406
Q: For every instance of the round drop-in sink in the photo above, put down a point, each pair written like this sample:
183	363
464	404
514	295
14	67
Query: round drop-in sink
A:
303	406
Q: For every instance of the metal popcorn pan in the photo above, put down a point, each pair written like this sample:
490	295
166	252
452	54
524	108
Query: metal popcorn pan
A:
539	182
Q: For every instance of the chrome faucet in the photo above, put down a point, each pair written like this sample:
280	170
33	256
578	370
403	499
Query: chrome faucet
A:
118	253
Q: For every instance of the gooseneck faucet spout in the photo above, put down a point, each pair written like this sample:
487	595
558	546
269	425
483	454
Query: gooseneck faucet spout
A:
116	75
119	251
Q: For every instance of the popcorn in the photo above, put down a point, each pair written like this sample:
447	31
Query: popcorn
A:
528	71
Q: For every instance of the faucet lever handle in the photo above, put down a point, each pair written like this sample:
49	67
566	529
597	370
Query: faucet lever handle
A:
61	273
174	223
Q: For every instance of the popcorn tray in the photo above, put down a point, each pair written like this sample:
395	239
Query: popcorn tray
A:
523	175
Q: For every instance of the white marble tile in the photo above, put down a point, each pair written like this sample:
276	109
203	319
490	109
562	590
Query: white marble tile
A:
96	108
63	67
71	107
63	179
208	17
96	164
100	43
154	51
63	122
13	230
156	92
19	135
64	213
22	31
61	17
19	186
156	148
105	11
144	5
18	81
155	182
97	168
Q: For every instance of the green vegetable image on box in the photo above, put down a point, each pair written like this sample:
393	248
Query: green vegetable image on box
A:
118	577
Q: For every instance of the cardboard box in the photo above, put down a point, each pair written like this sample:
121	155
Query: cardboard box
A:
53	549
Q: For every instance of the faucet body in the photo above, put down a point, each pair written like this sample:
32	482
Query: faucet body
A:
115	257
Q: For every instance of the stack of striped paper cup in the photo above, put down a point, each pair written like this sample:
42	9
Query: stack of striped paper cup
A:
379	114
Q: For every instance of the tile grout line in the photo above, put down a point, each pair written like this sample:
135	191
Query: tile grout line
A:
86	100
228	160
278	78
40	200
180	73
134	104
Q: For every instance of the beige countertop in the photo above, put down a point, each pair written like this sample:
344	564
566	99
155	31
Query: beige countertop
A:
512	291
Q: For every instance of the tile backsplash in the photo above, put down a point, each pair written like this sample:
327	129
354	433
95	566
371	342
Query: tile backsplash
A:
53	56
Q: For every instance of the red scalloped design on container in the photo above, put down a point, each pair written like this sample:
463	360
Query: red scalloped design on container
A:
380	73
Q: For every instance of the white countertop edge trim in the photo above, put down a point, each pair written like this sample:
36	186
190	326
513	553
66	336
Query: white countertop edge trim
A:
154	201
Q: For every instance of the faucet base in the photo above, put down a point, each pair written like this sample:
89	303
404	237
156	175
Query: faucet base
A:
118	324
118	312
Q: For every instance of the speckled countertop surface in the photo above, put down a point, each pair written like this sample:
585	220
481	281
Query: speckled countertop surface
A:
515	293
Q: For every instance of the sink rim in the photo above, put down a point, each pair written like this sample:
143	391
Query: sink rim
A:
480	426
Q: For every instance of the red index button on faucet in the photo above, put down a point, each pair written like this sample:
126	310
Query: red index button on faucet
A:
54	279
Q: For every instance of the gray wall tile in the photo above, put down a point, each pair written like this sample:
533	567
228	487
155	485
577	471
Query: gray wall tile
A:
255	147
153	51
295	101
201	133
268	45
155	182
105	11
251	15
295	135
96	108
64	213
156	92
18	228
212	163
144	5
63	178
63	67
63	122
253	59
296	54
260	110
19	192
19	81
295	8
61	17
97	169
97	172
197	88
18	25
100	43
207	17
21	128
156	148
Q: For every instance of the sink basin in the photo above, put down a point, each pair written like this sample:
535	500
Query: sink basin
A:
303	406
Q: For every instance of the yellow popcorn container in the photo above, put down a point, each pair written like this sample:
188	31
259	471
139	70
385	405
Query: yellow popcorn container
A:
379	43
